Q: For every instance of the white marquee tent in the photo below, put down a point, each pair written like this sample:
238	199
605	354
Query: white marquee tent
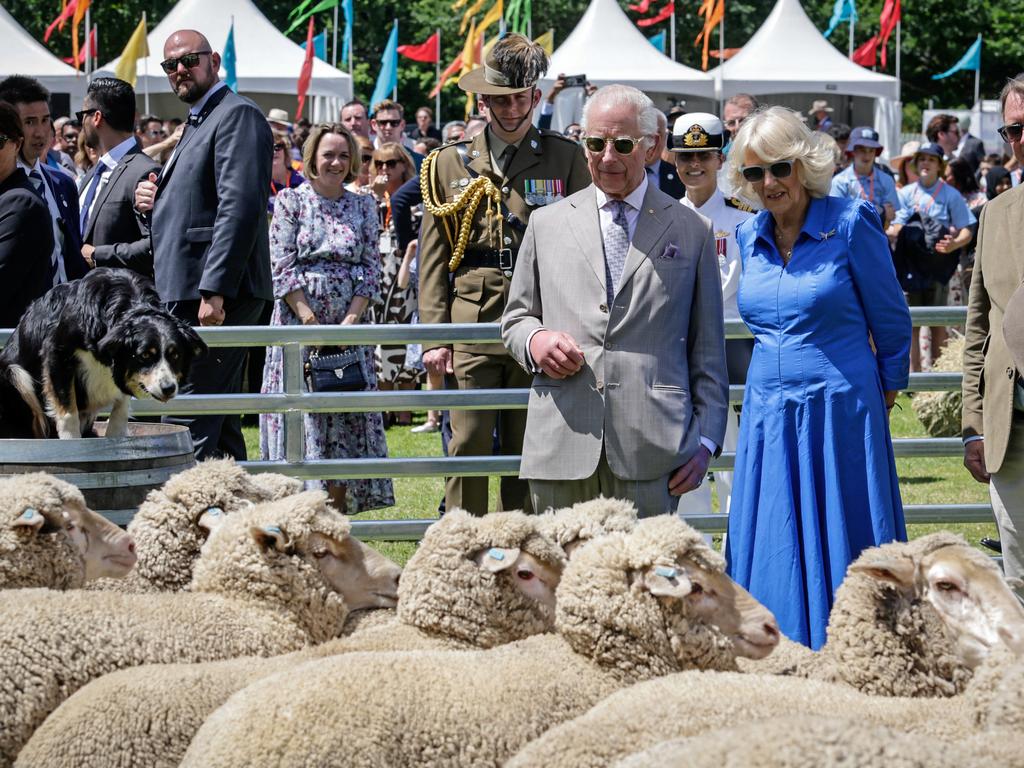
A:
268	63
21	54
608	48
788	54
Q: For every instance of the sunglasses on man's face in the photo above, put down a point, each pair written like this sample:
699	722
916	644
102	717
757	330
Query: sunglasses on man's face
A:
188	61
366	158
1011	133
280	147
623	145
389	123
392	163
84	114
755	173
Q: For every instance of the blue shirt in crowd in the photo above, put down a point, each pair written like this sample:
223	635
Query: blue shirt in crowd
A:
940	201
878	188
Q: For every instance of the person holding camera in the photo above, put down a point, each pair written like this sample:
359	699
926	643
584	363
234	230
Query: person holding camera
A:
938	224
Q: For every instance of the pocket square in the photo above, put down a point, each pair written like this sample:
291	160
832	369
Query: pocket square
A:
670	252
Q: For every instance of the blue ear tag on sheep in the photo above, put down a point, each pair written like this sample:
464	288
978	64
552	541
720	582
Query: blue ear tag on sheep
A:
215	511
271	529
668	573
496	553
30	518
29	513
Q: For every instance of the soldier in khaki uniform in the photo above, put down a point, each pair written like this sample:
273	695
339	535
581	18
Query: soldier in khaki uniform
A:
478	195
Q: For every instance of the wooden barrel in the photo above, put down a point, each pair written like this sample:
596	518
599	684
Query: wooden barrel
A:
114	474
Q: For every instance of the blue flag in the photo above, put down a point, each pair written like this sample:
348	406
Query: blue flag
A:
346	7
658	41
970	60
387	80
842	11
230	60
319	46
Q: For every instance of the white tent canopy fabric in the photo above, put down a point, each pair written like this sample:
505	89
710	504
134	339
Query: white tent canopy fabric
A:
267	61
608	48
21	54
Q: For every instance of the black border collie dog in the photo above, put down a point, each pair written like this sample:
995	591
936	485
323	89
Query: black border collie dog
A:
88	345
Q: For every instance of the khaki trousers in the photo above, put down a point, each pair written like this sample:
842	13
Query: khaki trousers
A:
1007	492
473	432
650	496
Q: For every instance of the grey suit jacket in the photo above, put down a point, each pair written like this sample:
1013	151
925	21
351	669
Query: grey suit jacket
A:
654	378
114	228
209	223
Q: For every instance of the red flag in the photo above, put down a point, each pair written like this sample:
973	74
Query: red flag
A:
890	16
61	20
642	7
89	50
427	51
663	14
867	54
449	71
307	70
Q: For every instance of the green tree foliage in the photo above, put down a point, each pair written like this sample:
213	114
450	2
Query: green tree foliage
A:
935	34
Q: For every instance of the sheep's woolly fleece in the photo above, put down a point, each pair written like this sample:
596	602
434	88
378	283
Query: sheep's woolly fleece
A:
35	547
587	520
693	703
165	527
109	721
248	599
473	708
882	640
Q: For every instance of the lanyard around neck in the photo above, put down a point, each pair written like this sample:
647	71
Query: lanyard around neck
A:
932	197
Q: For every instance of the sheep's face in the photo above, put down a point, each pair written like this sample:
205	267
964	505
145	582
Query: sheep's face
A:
688	591
108	551
533	579
36	549
363	576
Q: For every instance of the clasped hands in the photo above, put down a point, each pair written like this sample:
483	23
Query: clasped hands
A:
556	353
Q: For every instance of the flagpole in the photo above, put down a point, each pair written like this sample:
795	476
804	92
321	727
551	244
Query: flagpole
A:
672	31
437	72
394	91
145	66
849	54
334	55
93	45
977	78
721	61
88	58
899	46
349	28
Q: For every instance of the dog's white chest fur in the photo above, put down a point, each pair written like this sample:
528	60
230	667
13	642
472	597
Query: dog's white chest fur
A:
98	381
100	392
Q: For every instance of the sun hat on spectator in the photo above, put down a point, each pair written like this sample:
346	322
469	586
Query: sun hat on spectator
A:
864	137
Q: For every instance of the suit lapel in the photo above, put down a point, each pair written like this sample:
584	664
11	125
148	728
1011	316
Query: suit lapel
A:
586	228
190	133
649	231
104	192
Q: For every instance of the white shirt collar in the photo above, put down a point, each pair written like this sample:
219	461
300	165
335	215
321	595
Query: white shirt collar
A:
634	199
115	155
29	168
196	108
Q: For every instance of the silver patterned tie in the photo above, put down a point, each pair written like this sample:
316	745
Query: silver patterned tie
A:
616	246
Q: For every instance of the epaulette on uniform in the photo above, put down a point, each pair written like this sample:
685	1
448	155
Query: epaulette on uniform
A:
546	133
735	202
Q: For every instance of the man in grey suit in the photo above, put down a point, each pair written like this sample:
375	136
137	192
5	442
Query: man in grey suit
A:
211	251
616	306
113	235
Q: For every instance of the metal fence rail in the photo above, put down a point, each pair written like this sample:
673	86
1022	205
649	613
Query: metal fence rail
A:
293	402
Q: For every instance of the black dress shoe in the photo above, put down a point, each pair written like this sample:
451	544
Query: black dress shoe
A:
993	544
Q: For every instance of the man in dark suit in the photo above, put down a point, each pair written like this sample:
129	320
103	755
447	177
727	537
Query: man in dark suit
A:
54	186
113	235
211	251
661	173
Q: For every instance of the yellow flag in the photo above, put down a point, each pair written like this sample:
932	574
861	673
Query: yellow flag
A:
80	9
137	48
469	50
469	13
547	42
458	4
493	15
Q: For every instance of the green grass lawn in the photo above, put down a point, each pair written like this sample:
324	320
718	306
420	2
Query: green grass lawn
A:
922	481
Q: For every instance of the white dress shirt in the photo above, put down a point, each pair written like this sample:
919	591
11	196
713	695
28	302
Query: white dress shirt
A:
57	257
725	219
104	166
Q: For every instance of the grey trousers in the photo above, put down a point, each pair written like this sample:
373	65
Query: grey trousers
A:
1007	492
650	496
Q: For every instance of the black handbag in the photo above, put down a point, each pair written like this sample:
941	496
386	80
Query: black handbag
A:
338	372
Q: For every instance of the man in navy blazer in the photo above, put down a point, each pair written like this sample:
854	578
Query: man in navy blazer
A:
208	207
54	186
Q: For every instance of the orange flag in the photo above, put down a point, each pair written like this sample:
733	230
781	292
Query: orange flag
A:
80	8
713	12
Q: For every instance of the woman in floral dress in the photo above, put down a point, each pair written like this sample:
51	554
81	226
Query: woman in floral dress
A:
326	269
392	167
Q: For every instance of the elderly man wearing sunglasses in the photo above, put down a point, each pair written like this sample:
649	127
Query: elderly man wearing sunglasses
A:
815	479
208	207
993	415
616	308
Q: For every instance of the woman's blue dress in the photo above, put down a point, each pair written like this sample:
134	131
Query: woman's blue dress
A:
815	478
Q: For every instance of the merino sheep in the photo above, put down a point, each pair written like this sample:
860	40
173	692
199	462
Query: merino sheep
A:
692	703
266	583
584	520
474	582
53	539
630	607
173	523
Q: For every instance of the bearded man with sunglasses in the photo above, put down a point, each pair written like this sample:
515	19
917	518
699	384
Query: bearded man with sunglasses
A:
466	280
993	412
208	222
616	308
